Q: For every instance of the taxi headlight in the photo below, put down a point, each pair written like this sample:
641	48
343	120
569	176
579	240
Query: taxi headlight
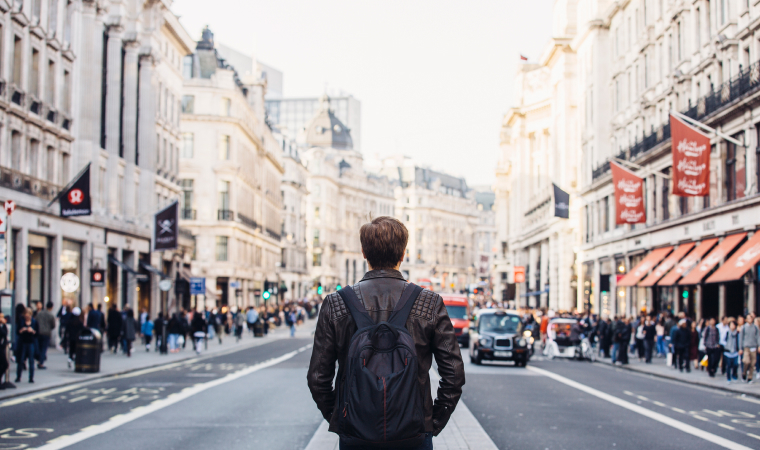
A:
485	341
527	333
522	342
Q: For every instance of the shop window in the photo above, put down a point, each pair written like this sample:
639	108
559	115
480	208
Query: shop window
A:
71	258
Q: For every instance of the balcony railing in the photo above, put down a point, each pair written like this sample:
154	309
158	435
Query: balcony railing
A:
225	214
247	221
745	83
272	234
22	182
188	214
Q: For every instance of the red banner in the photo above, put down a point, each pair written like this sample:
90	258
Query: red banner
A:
691	160
629	196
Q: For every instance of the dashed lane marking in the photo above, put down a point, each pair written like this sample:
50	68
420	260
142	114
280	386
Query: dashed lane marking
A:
665	420
122	419
753	435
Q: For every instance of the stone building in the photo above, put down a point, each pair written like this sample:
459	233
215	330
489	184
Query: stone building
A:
230	171
539	148
91	83
639	60
294	269
342	197
441	214
485	238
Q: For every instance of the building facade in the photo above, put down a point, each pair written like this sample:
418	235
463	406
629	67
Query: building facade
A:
231	172
643	59
63	112
441	214
342	197
485	239
539	148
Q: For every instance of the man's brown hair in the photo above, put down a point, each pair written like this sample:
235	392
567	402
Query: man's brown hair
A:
384	242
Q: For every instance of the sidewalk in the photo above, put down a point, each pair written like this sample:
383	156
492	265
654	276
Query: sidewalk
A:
58	374
660	369
463	432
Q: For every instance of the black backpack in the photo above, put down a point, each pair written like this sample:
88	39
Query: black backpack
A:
381	401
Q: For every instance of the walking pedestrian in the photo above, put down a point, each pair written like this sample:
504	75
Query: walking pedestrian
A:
731	352
749	342
93	318
239	324
251	317
723	333
681	342
650	334
128	331
147	331
660	329
27	344
694	346
4	364
174	329
198	327
64	312
74	327
383	243
46	324
113	328
712	344
639	338
293	320
158	330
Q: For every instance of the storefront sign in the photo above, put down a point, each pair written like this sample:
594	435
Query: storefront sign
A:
69	282
561	203
519	274
97	277
165	285
691	160
166	228
9	207
197	286
629	196
75	201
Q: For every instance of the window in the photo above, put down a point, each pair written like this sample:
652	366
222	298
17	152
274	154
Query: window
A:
187	196
34	81
605	215
224	147
188	104
224	195
665	196
646	70
52	16
34	150
50	169
315	242
316	259
316	212
36	9
698	28
683	203
187	145
18	58
226	107
221	248
187	67
680	43
723	11
50	83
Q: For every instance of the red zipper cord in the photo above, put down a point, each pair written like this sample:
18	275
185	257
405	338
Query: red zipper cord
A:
385	416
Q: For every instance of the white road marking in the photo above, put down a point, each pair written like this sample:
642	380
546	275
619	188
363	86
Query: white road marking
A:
122	419
715	439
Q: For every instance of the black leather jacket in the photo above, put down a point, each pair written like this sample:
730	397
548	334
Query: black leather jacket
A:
429	325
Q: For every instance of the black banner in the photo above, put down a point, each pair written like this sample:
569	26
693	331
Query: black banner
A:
561	203
97	277
166	228
76	201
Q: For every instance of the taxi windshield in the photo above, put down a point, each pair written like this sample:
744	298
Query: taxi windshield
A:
497	323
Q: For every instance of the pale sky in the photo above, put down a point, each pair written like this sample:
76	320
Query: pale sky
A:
434	77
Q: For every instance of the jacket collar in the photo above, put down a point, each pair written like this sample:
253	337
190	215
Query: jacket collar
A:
383	273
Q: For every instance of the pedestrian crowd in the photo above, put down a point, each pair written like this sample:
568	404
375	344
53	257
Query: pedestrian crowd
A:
33	329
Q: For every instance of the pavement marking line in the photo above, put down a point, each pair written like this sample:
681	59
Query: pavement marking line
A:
715	439
122	419
753	435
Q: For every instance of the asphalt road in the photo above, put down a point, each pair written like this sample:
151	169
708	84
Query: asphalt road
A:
257	398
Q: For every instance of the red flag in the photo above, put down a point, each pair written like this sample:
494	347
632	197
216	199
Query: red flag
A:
523	58
629	196
691	160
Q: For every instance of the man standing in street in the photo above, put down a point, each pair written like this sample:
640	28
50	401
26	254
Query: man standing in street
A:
4	364
723	333
46	324
251	318
749	341
378	297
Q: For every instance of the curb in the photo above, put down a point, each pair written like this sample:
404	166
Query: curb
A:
680	380
89	379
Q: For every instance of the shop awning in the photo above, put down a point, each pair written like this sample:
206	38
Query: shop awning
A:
153	270
716	256
121	265
642	269
666	265
740	263
686	264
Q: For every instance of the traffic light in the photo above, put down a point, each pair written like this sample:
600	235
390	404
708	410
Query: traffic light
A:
338	287
319	289
685	294
266	295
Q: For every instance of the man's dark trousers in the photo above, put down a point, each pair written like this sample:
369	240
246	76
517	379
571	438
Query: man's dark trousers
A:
44	343
428	445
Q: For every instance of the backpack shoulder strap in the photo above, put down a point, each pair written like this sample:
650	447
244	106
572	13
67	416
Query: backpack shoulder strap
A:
404	306
356	308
